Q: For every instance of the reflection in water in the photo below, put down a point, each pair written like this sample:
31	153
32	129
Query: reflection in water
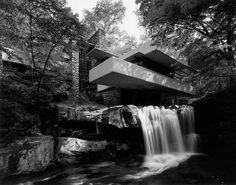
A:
125	170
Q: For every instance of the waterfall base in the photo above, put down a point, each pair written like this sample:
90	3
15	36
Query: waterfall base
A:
169	138
198	169
156	164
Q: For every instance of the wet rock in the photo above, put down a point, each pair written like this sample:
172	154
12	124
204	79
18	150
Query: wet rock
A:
121	116
65	112
81	113
71	146
95	115
32	154
191	181
121	146
70	150
73	150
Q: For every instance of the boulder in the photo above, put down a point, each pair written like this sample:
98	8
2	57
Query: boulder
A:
65	112
87	115
72	146
121	116
80	113
71	150
32	154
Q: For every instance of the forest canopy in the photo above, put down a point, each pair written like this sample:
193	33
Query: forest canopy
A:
204	31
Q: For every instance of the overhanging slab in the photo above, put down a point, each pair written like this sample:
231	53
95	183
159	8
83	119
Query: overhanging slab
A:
102	87
99	54
116	72
152	53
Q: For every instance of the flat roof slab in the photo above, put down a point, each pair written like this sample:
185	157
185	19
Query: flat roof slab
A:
116	72
152	53
99	54
147	50
102	87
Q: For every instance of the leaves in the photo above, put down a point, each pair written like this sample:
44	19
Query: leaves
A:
42	30
106	15
203	32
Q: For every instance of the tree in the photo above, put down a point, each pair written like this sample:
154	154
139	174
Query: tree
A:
42	30
124	43
106	15
204	32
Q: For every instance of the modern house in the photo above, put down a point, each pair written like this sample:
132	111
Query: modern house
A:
142	76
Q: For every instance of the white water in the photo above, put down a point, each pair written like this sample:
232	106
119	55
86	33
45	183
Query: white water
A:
188	129
169	137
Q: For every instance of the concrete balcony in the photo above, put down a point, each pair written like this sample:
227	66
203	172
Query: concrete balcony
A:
116	72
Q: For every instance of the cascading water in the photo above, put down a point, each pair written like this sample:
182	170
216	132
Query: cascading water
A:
186	116
168	136
168	130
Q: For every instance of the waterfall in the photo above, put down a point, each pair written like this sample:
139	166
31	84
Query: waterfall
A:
187	121
169	137
168	130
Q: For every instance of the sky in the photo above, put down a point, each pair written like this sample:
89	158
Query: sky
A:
130	21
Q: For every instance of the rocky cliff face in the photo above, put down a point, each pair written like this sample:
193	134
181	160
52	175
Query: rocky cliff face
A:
25	156
119	116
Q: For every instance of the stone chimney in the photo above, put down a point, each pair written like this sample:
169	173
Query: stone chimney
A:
98	38
1	65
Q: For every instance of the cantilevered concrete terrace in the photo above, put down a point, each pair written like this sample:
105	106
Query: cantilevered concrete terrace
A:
121	73
116	72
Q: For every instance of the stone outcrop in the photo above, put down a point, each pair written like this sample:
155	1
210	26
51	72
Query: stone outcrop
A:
119	116
87	115
65	112
73	150
32	154
72	146
81	113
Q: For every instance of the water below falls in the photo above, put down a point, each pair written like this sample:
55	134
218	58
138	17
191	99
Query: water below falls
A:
169	137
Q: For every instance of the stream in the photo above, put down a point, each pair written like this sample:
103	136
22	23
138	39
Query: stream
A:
171	158
198	169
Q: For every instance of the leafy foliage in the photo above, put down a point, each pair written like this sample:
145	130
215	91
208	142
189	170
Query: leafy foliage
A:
43	35
124	43
42	30
203	32
105	16
17	113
